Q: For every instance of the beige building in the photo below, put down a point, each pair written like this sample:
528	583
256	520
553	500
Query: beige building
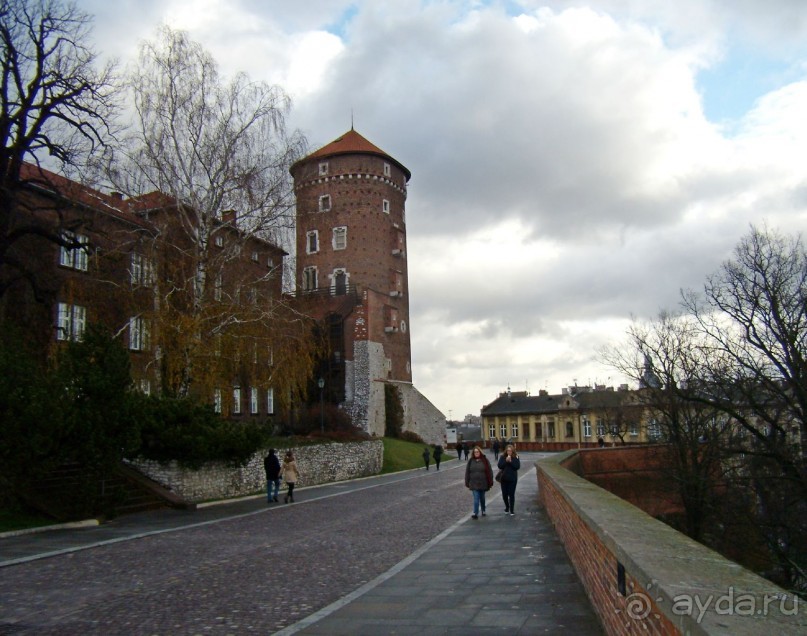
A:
577	417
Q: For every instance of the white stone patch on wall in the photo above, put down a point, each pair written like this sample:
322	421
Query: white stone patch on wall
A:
318	464
370	364
361	384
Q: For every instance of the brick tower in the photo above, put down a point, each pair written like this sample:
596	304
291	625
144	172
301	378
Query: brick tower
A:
351	271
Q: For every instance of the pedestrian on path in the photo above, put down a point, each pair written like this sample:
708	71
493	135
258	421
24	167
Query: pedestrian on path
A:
478	479
459	450
509	463
496	449
290	475
426	456
271	464
466	448
438	455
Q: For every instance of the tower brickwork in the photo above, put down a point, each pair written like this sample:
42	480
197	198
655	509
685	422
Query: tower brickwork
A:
351	257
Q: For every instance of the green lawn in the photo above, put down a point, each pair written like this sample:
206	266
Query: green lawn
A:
400	455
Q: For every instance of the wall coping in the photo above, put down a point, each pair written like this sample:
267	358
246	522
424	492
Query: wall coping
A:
678	573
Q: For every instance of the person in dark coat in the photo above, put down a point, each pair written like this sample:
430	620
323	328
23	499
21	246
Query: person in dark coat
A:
271	464
478	479
466	448
426	456
459	450
496	449
509	463
438	455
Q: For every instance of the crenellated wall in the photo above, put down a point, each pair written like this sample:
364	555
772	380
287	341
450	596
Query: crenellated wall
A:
318	464
643	577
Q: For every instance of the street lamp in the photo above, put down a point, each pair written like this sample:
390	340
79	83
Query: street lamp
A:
321	385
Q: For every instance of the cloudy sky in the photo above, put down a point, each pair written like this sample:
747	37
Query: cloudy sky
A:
574	164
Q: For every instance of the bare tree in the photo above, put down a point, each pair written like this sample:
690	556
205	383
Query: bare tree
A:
754	313
219	155
55	106
663	357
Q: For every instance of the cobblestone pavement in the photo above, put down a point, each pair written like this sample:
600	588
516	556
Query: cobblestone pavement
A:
394	554
252	574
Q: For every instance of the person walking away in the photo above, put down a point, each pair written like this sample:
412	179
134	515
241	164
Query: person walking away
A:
290	475
478	479
458	446
466	448
496	449
509	463
426	456
271	464
438	455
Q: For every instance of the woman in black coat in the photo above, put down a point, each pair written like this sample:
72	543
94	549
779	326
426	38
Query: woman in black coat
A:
509	464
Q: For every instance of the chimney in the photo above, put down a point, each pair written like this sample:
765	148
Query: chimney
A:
118	196
228	216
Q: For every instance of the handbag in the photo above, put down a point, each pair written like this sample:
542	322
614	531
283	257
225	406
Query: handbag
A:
498	476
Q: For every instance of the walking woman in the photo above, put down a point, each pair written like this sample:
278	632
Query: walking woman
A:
290	475
479	479
509	463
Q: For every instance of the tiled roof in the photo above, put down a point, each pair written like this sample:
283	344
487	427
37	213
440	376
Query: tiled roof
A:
519	403
57	185
350	143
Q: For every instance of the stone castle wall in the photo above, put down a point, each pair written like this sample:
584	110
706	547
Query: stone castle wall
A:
319	464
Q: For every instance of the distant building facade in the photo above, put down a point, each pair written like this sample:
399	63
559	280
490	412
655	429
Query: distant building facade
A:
577	417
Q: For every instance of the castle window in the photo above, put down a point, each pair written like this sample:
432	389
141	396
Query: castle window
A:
255	256
387	170
340	238
339	282
385	206
219	241
586	428
270	401
569	429
74	256
217	285
217	400
71	322
138	334
323	168
312	242
236	400
142	272
325	203
253	400
309	278
145	386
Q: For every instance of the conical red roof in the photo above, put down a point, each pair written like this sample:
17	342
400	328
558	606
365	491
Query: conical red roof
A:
350	143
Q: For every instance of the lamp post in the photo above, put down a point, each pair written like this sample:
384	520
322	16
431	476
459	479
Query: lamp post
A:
321	385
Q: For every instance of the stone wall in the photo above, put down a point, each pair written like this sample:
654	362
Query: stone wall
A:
643	577
318	464
420	415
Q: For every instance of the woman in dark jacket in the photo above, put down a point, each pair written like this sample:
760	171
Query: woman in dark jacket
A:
509	464
479	479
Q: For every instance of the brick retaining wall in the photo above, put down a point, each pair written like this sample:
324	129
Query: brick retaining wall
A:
672	584
318	464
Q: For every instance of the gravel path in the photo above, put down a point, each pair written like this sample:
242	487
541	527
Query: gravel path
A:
256	574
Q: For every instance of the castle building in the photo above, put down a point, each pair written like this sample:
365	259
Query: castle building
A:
351	275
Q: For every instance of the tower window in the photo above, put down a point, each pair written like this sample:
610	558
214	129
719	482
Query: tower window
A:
312	242
387	170
309	278
385	206
340	238
325	203
323	168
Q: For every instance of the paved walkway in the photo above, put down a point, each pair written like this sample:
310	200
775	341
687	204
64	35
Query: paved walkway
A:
498	574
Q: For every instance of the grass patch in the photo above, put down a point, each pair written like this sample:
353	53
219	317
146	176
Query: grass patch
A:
400	455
